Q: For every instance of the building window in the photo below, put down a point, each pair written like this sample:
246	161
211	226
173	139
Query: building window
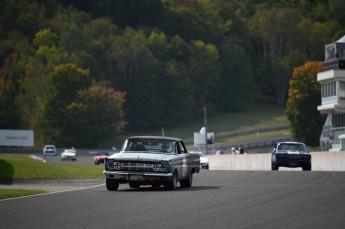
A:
328	89
338	120
342	90
328	92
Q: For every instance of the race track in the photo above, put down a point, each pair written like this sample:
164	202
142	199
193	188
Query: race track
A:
218	199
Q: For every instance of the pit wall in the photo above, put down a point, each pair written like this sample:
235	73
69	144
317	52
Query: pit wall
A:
321	161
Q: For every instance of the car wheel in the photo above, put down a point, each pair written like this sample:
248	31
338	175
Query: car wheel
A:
96	163
306	168
275	166
171	185
111	184
206	167
187	182
131	185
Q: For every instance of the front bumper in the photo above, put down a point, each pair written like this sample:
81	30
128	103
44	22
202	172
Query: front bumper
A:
285	162
68	157
143	178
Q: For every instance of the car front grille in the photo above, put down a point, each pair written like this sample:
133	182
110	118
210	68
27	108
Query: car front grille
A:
294	156
130	166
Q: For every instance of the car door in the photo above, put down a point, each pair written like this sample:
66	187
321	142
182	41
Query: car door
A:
189	161
182	160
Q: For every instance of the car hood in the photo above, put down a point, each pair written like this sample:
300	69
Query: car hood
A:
69	154
154	157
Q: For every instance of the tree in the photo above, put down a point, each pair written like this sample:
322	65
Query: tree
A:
305	120
236	87
204	71
65	82
275	32
32	97
9	115
95	117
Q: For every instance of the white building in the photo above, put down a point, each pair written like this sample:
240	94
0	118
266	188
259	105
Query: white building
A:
332	81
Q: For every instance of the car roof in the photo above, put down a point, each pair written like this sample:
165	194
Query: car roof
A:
155	138
290	142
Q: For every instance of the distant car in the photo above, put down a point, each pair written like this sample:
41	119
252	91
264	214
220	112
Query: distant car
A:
151	160
291	154
99	158
69	154
203	159
49	150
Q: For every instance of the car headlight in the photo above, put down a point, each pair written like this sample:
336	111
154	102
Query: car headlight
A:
159	167
111	165
117	165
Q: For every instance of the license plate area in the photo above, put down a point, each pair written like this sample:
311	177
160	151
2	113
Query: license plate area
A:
136	178
293	162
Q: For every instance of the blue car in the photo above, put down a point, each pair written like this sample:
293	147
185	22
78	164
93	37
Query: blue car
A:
291	154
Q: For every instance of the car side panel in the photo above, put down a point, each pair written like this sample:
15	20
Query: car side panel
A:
185	164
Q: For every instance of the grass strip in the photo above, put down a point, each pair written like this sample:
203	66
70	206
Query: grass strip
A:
12	193
19	166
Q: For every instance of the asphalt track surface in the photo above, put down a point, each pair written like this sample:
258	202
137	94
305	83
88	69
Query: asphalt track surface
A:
217	199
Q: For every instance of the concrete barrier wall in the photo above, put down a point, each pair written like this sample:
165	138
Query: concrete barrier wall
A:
321	161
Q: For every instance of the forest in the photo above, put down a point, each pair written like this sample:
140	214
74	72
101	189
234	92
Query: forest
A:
81	72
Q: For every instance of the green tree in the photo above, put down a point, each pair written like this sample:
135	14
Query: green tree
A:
9	115
15	53
275	32
305	120
65	82
204	70
32	97
237	86
95	117
138	76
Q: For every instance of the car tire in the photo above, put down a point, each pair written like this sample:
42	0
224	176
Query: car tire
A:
306	168
187	182
275	166
171	185
111	184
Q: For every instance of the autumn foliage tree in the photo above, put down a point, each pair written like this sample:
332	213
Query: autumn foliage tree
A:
305	120
80	112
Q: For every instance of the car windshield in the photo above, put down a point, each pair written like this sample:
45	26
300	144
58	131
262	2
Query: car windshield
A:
292	147
149	146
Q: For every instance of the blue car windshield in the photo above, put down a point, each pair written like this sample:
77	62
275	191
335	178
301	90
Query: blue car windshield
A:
149	146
